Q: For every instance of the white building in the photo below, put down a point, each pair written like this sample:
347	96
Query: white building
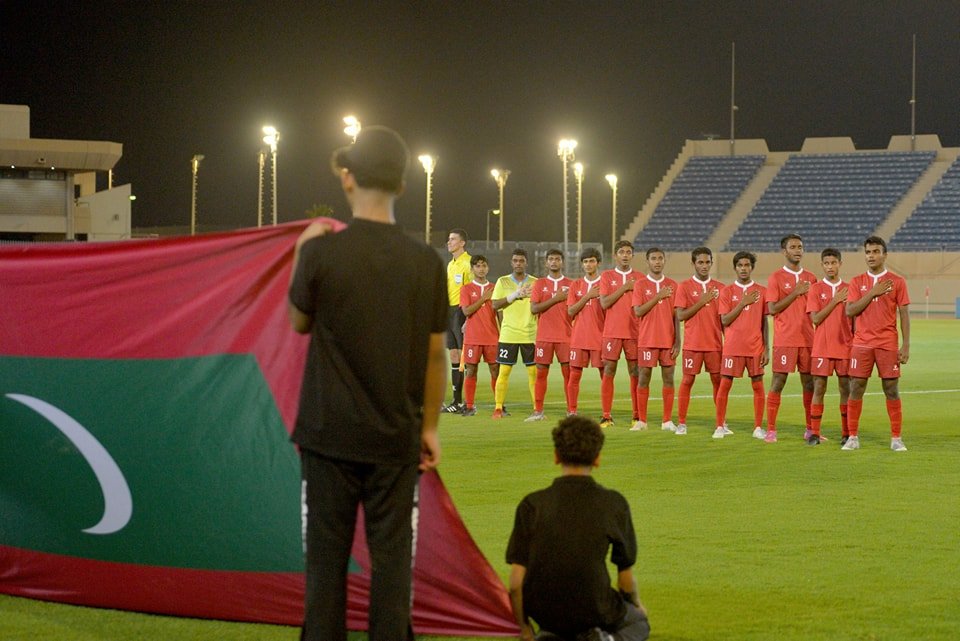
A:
48	188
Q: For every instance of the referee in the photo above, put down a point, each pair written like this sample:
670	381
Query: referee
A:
458	275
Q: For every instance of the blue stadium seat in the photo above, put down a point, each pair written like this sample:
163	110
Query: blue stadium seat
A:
697	200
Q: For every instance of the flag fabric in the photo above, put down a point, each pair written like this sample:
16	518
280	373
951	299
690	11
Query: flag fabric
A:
147	392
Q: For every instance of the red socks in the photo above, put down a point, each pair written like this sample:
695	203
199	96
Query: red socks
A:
573	388
540	388
469	390
773	408
854	408
667	403
642	398
758	403
723	394
816	416
807	402
606	395
683	398
633	396
895	412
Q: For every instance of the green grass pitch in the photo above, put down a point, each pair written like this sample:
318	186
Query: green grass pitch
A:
738	539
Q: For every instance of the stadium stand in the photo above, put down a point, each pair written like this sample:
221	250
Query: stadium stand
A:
935	223
697	200
830	199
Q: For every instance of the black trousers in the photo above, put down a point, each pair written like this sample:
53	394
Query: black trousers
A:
332	490
634	626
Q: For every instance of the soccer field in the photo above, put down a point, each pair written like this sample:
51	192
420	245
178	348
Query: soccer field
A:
738	539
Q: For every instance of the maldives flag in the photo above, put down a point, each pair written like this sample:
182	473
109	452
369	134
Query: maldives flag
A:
147	392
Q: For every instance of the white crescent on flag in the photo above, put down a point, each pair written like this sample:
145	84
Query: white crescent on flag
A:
117	501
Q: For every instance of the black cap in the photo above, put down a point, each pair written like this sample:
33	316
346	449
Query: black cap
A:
378	159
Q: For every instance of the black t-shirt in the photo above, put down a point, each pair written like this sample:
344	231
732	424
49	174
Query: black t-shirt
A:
375	296
561	535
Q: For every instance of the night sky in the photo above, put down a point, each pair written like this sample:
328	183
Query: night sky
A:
477	84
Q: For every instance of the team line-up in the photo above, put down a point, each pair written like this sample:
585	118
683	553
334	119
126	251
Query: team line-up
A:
822	327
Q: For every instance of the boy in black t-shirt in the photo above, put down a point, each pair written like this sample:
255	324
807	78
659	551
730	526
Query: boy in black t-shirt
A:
558	551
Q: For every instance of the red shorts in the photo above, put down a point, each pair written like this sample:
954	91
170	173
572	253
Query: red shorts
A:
787	359
653	356
822	366
473	353
546	350
863	358
613	346
693	361
584	358
734	366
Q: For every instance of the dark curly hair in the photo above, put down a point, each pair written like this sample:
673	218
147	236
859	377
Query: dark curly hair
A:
577	440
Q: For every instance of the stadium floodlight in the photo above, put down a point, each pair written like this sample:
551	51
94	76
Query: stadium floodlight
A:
500	176
612	179
271	138
565	152
352	127
428	162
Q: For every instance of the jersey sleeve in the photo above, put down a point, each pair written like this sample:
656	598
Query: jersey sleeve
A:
813	299
499	291
518	548
681	297
772	290
537	296
903	296
623	552
303	286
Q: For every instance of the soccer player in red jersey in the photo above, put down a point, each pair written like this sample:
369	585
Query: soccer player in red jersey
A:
831	341
482	331
792	330
658	336
586	338
874	300
548	301
742	307
702	333
619	327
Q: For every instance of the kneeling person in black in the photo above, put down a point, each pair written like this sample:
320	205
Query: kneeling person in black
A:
558	550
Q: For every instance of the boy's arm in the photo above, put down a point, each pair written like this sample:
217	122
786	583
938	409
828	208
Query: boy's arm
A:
517	573
628	589
905	333
436	383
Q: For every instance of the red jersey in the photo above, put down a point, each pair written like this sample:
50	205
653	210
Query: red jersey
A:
743	337
588	323
876	326
482	328
831	338
655	328
792	327
620	321
553	325
702	332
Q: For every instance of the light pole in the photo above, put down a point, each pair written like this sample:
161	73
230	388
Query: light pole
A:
612	179
261	159
578	172
495	212
272	137
195	164
500	175
428	162
352	127
565	152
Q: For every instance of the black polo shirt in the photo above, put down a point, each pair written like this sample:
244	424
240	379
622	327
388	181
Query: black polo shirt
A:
375	296
561	535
